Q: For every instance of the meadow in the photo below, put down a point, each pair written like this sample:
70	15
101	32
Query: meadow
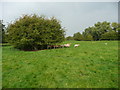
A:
91	65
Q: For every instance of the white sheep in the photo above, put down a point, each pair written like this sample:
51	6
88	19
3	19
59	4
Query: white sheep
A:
66	45
76	45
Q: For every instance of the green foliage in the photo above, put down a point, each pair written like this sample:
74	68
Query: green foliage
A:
115	26
78	36
69	38
2	32
112	35
101	29
93	32
35	32
88	37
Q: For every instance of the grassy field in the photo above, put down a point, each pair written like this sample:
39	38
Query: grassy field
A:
91	65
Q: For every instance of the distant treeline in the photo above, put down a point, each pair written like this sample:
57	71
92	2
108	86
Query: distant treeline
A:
100	31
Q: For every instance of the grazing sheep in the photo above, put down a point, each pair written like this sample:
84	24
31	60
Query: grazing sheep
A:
62	46
76	45
58	46
67	45
53	46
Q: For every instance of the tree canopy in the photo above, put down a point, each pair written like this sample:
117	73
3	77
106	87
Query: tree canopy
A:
35	32
2	32
103	31
99	31
69	38
78	36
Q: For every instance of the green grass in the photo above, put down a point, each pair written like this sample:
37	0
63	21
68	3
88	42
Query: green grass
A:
91	65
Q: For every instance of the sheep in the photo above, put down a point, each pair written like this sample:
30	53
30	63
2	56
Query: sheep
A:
76	45
58	46
67	45
62	46
53	46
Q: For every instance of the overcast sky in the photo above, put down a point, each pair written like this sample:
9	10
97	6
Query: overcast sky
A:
74	16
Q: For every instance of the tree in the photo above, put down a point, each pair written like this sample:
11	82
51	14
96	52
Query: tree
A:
34	32
78	36
69	38
102	30
2	32
103	27
88	37
115	26
112	35
93	31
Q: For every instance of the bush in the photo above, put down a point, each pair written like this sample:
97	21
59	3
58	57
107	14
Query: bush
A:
69	38
112	35
2	32
34	32
78	36
88	37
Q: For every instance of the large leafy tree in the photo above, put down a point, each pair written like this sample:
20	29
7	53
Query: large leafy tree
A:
115	26
103	27
34	32
2	32
69	38
87	37
102	30
93	31
78	36
112	35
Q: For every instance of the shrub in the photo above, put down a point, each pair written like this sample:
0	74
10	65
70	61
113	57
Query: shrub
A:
78	36
34	32
112	35
88	37
2	32
69	38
